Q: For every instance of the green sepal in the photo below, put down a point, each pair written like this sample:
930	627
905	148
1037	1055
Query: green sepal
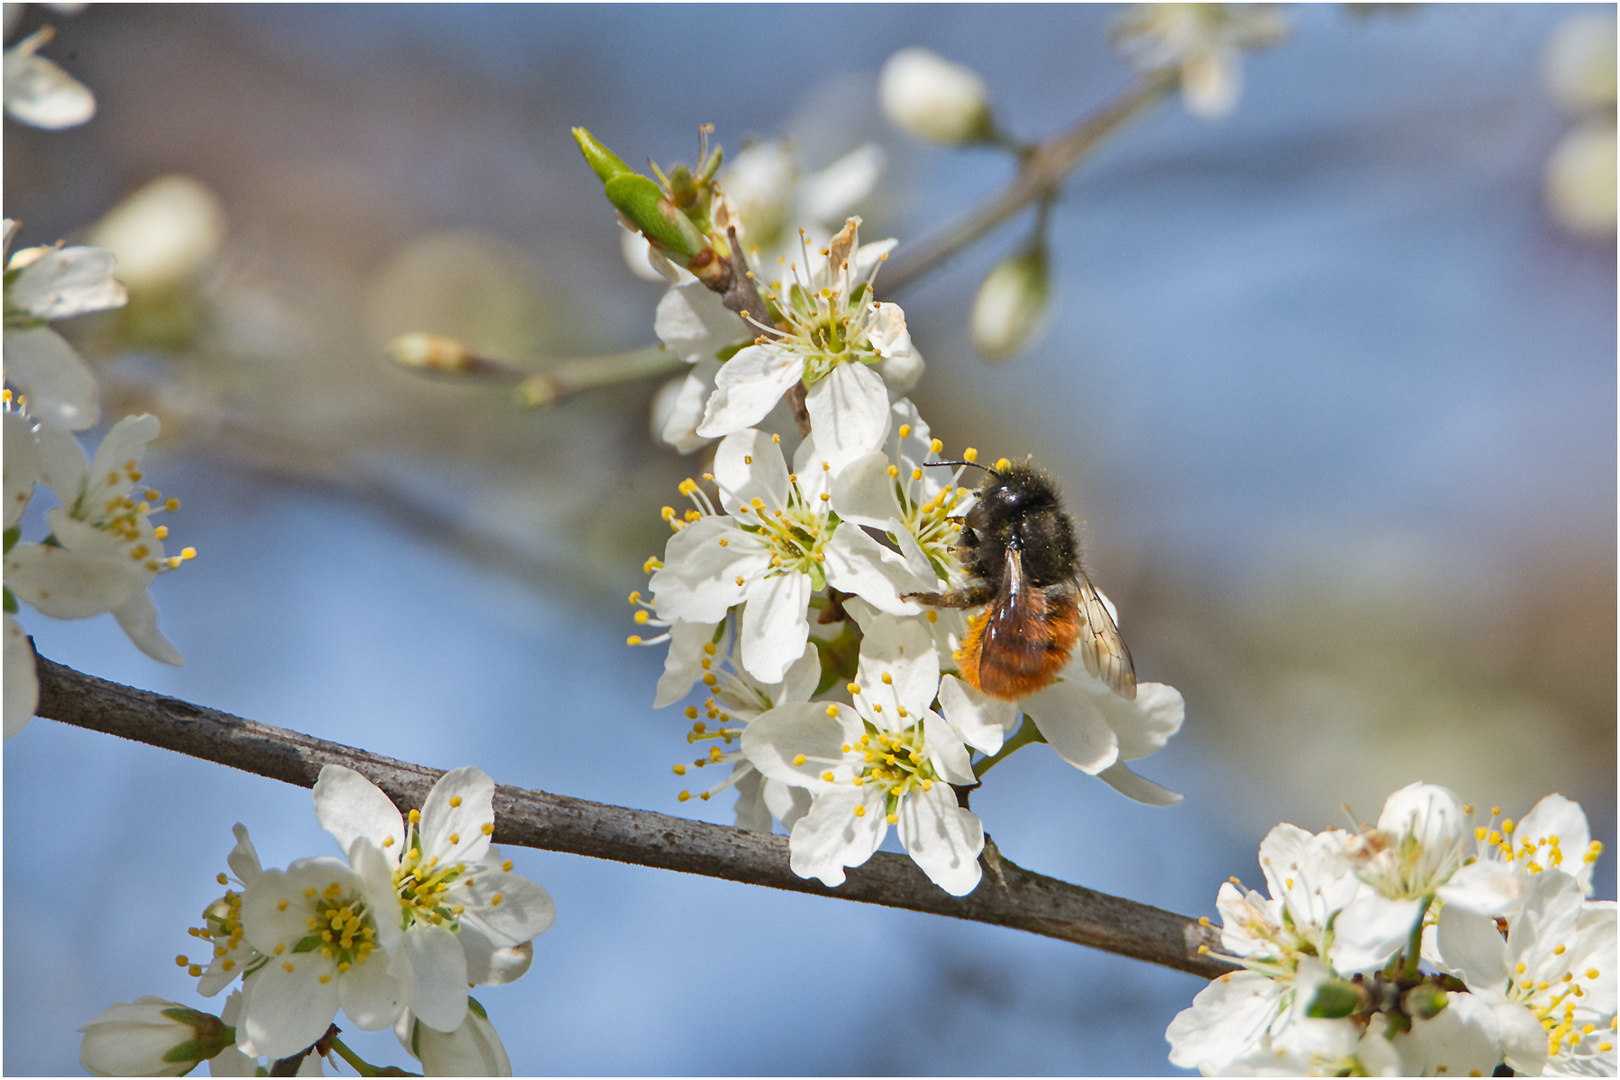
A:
818	577
1334	999
186	1051
11	537
476	1009
1424	1001
729	351
11	603
308	944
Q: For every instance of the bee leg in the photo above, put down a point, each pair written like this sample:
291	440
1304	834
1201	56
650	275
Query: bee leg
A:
972	596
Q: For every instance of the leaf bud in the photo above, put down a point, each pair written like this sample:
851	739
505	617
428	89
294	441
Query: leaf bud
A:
431	352
1424	1001
642	201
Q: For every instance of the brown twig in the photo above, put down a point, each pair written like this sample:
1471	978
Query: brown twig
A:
1008	896
1040	173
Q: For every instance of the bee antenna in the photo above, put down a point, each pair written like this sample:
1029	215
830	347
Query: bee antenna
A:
975	464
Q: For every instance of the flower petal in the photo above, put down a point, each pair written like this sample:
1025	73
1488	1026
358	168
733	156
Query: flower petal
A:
983	721
139	619
859	564
776	738
23	466
748	465
693	323
747	387
683	664
455	816
774	624
943	839
350	807
439	977
1076	728
59	386
1139	789
68	281
21	683
831	836
707	567
849	414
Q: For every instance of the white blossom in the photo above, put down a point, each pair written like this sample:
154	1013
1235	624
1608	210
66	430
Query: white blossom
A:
455	898
105	551
1549	983
43	285
840	343
770	545
884	759
1421	840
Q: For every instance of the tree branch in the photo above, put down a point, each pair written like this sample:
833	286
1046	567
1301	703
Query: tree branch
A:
1041	172
1008	896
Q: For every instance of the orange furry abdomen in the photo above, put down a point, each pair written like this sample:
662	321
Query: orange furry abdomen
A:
1011	658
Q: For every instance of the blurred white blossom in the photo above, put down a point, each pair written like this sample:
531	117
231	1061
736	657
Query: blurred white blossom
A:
163	233
1204	43
38	92
935	99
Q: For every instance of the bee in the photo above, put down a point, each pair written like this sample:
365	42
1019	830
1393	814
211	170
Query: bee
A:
1019	548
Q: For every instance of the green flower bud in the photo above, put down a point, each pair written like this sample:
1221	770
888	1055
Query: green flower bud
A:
1010	303
1424	1001
1335	998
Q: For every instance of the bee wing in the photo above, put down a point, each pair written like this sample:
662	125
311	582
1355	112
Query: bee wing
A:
1016	610
1100	645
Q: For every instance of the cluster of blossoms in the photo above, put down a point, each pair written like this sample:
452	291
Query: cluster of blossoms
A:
1424	946
102	549
835	700
392	933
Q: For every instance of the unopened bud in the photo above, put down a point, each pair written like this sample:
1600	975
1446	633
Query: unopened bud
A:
1579	64
473	1049
1424	1001
431	352
1335	998
1010	303
151	1037
163	233
934	99
1580	179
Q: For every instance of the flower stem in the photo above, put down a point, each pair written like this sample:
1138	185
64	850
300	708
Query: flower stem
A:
566	378
1027	734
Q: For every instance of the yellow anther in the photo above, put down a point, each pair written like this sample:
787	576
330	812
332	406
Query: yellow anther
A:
642	617
798	759
905	431
633	639
860	811
935	446
683	796
892	819
827	776
415	816
832	711
970	455
171	505
888	680
894	472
